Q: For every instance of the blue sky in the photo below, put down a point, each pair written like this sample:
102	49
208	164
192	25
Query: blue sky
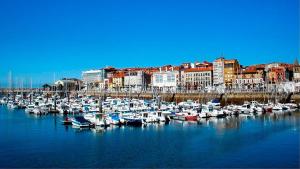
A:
41	37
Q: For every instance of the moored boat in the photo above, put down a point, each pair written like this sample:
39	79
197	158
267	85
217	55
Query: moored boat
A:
80	121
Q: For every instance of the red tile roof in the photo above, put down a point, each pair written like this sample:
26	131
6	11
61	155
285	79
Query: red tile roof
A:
198	69
119	74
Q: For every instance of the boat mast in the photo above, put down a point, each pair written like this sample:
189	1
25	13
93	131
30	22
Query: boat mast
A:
9	82
129	89
22	88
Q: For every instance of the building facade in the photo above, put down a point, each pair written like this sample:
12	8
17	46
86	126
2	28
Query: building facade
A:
136	80
279	72
166	80
296	71
118	80
68	84
218	72
231	70
198	78
253	77
93	78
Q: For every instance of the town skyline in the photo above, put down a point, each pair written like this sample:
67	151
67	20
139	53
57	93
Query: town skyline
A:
37	79
28	82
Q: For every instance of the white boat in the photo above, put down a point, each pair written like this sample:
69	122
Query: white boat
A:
81	122
292	105
277	107
148	117
209	111
63	109
3	101
12	105
162	116
244	109
29	108
75	108
37	110
97	119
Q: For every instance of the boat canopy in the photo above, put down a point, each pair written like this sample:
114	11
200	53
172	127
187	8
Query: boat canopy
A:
215	100
81	119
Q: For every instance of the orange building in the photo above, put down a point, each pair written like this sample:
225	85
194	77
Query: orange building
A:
117	81
276	74
279	72
231	69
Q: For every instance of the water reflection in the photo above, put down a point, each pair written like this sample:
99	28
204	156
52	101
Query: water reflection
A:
225	142
220	124
232	122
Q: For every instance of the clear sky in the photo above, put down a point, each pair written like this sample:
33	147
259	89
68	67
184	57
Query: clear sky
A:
41	37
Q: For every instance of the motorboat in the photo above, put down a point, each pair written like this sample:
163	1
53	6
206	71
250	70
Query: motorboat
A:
3	101
277	107
133	119
80	121
187	115
98	119
12	105
245	108
148	117
29	109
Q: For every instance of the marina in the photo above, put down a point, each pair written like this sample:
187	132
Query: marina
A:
187	134
90	111
30	140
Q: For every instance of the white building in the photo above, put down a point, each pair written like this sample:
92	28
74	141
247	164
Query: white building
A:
135	80
218	72
166	81
297	86
92	78
287	87
249	83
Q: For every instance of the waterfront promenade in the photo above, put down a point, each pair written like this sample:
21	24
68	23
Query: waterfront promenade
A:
233	97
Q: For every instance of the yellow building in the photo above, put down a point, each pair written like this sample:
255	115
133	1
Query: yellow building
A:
118	80
231	69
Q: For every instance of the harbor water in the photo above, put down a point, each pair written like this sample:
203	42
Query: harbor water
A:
270	140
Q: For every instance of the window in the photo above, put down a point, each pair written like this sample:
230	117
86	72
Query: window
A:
158	79
228	65
170	78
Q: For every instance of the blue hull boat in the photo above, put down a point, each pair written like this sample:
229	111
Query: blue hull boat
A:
80	121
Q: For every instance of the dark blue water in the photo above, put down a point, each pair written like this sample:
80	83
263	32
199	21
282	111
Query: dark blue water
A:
28	141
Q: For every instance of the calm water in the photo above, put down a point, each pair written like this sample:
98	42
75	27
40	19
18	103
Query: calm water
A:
29	141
